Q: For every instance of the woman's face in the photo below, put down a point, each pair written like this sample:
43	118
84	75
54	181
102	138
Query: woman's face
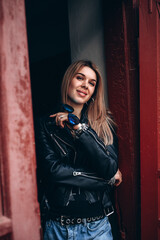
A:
82	86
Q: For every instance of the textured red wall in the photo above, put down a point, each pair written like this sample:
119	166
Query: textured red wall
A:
121	44
17	123
149	118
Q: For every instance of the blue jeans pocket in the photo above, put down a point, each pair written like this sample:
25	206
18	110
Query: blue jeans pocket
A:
100	230
93	226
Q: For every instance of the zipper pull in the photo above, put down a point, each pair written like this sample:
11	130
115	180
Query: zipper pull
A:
76	173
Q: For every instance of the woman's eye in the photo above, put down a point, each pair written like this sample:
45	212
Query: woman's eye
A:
79	78
91	83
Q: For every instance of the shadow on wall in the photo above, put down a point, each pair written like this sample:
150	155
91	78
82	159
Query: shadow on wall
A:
46	81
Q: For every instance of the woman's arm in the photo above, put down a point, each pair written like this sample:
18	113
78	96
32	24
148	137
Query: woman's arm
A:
103	159
54	171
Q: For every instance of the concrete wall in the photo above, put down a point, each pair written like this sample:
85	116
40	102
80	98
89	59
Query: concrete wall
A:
86	33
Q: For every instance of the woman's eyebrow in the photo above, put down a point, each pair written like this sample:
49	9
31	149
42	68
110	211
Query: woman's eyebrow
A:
81	74
85	76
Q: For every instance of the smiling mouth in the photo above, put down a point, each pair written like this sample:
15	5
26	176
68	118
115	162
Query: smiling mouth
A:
81	93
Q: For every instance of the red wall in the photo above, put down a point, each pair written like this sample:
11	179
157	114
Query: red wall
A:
18	146
149	42
121	44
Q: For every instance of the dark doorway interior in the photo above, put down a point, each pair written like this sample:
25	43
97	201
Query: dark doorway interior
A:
49	51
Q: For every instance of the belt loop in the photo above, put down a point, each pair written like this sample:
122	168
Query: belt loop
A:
105	212
84	221
62	221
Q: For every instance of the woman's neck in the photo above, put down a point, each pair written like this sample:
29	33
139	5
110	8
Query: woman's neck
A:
77	112
77	109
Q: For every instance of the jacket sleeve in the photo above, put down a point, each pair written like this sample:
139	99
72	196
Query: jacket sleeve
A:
54	171
103	159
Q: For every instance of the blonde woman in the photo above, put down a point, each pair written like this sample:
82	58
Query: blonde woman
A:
77	159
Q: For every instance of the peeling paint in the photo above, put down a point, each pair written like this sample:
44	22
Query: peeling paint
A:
16	114
11	11
25	63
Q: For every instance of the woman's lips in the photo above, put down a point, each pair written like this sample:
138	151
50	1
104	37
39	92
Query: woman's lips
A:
81	93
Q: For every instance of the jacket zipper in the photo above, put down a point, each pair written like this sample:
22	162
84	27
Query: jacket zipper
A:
68	197
87	175
63	151
68	145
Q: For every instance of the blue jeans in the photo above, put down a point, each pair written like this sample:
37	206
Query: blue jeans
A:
98	230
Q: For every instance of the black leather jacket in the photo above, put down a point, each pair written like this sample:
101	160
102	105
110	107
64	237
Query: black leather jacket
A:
64	162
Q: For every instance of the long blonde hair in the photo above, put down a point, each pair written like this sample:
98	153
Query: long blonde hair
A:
98	117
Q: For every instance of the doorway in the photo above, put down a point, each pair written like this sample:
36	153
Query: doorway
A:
49	51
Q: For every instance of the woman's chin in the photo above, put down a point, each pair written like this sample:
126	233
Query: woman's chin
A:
77	101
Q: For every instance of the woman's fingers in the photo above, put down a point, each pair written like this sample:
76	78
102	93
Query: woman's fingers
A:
53	115
60	118
118	178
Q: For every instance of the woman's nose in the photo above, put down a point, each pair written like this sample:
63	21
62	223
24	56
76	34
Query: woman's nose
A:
85	84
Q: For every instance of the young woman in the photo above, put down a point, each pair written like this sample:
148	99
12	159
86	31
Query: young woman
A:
77	159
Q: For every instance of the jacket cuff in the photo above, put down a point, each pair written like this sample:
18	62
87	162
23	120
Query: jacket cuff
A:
112	181
83	127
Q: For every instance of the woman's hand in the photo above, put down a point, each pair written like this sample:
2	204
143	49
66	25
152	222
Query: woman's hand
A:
61	118
118	178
